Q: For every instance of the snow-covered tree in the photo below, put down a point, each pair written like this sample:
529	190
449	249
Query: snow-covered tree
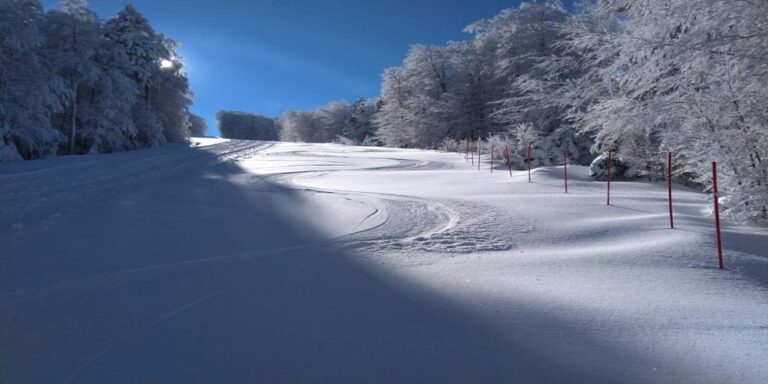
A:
331	121
142	47
392	120
198	126
634	77
299	126
358	125
474	88
107	117
532	61
70	85
72	39
142	51
418	107
338	121
247	126
29	85
170	96
682	75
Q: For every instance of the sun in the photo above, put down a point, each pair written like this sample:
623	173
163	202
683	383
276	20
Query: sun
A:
166	64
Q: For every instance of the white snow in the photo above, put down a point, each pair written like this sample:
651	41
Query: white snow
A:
235	261
206	141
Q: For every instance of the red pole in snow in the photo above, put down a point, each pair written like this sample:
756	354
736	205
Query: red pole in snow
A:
479	153
529	162
565	169
493	153
669	188
609	177
509	159
717	215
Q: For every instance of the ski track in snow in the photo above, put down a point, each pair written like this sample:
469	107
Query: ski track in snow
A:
75	375
24	310
446	226
451	244
58	185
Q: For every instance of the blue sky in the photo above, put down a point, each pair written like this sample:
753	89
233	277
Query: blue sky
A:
266	56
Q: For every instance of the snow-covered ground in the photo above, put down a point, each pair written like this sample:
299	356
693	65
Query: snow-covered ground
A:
282	263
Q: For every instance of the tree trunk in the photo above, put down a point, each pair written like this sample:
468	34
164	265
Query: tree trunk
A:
74	119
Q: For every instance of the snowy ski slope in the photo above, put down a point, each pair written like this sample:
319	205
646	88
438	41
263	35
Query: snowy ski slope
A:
236	261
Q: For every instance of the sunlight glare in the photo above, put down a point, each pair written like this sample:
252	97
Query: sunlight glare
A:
166	64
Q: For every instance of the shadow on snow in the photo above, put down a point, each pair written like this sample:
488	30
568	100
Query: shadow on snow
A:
197	279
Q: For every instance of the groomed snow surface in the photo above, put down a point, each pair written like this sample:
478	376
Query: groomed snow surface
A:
255	262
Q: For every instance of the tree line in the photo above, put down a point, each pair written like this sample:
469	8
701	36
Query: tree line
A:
72	84
339	121
639	78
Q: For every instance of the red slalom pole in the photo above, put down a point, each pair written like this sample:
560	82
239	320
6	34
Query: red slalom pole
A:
717	215
669	188
529	162
509	159
609	177
493	153
565	169
479	153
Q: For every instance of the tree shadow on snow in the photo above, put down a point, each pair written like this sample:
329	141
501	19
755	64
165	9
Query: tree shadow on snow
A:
200	279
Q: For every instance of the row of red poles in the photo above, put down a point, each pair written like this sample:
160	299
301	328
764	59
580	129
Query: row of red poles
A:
469	156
